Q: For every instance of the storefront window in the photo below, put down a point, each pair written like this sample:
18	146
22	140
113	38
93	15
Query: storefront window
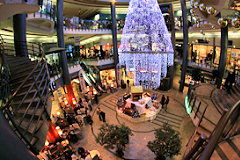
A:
204	54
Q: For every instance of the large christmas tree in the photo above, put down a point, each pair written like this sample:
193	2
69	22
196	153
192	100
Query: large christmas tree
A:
146	47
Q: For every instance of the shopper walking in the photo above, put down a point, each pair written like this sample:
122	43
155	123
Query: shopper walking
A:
96	98
98	113
163	101
89	119
90	105
128	82
166	103
85	104
103	116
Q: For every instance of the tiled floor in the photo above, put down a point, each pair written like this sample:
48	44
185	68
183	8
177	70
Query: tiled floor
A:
176	116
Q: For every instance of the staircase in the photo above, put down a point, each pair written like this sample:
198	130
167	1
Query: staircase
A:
224	100
171	119
228	149
224	141
29	107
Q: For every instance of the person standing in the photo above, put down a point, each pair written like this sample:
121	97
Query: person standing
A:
85	104
163	101
128	82
98	113
103	116
90	105
96	98
166	103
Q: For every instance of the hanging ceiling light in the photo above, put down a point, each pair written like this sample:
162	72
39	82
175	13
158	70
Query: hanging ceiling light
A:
202	7
222	22
211	10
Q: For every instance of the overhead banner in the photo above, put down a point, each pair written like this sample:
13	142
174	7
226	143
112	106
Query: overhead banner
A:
82	81
76	41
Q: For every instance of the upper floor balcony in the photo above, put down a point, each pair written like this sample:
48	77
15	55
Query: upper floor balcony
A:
8	8
99	62
42	21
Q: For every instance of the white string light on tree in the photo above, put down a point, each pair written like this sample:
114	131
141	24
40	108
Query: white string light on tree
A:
146	46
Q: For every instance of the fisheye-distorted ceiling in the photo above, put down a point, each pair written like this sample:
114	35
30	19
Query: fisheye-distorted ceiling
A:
88	8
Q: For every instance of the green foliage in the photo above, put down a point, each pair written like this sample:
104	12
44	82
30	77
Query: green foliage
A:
113	136
167	143
196	74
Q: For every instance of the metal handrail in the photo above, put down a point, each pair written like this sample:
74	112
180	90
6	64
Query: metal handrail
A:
30	88
22	84
4	75
217	133
32	48
41	89
43	107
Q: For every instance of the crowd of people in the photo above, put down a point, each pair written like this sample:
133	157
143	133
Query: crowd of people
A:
96	53
78	23
70	122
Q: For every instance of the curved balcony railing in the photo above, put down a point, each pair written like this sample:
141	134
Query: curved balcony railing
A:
76	23
4	76
8	8
227	127
34	49
47	10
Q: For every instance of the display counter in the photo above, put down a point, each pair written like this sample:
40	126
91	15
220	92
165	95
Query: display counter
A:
142	110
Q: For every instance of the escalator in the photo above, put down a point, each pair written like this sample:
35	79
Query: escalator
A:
91	81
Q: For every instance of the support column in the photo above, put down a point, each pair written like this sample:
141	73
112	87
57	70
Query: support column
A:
172	19
223	55
62	56
214	49
185	45
114	36
20	40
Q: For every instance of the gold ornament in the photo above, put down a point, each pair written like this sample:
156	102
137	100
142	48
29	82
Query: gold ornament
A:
192	3
201	31
211	10
198	25
222	22
197	19
202	7
235	22
196	5
193	13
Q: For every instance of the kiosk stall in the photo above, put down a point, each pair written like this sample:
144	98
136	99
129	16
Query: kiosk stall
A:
138	106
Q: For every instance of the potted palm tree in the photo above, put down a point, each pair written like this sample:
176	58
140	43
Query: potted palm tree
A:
114	137
167	143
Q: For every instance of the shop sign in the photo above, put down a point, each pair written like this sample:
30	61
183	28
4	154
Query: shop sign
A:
76	41
82	81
